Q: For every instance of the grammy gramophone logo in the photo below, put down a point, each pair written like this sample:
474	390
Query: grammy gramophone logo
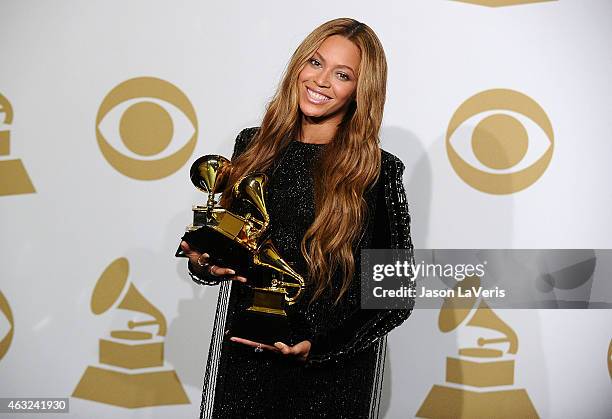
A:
131	371
477	380
14	179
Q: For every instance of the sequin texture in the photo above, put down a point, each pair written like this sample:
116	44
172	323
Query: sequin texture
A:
343	375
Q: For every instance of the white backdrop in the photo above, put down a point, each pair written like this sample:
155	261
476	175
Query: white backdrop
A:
60	60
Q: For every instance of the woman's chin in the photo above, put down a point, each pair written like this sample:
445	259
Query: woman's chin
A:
313	111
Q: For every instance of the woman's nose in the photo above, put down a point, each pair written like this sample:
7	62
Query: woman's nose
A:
322	78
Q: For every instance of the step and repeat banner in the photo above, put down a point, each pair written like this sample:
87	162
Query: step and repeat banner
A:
500	109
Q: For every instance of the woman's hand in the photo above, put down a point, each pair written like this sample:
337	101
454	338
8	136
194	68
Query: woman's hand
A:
300	350
199	261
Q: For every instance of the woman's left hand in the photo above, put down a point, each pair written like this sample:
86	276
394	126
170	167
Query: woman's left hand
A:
299	350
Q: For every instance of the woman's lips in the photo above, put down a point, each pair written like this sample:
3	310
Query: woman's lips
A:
315	97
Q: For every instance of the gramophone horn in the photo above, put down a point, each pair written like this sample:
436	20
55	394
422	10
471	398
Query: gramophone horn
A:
108	290
251	188
109	286
206	173
486	318
267	255
456	309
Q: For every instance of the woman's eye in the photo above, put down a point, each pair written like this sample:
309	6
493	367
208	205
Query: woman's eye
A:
314	61
343	76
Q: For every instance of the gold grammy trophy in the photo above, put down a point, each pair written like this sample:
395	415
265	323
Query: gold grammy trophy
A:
240	241
132	373
480	367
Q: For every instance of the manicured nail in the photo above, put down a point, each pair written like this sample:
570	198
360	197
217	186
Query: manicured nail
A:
231	271
206	255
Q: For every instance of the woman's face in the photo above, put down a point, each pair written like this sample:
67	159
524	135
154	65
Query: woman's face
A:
328	81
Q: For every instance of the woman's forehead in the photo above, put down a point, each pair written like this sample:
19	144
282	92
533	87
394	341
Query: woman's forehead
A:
340	51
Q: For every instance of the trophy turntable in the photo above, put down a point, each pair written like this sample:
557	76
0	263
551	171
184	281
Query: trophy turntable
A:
240	239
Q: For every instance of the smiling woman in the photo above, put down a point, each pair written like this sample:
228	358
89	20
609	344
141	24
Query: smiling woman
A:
331	192
327	85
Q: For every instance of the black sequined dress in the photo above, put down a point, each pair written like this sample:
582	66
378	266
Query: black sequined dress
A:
343	375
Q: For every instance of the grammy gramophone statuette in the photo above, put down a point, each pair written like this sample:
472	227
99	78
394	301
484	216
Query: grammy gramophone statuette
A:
241	241
487	369
131	371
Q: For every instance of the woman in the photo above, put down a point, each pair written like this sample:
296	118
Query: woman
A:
331	192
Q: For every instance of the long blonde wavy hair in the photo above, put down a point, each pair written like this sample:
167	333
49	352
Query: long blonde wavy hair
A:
350	164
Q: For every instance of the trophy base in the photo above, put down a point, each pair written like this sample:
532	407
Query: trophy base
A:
447	402
223	251
136	390
261	327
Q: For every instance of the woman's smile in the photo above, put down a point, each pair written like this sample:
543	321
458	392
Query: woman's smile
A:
316	97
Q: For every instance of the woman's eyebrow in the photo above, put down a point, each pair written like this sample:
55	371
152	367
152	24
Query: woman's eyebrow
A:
341	65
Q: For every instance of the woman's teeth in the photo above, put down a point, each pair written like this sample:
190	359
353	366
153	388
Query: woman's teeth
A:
317	97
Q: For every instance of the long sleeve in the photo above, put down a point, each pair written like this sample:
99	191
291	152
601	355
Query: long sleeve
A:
242	141
364	327
240	145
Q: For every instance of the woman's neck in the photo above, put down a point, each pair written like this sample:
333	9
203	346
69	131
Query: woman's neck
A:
318	131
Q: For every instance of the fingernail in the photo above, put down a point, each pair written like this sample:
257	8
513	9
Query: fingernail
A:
205	255
231	271
233	339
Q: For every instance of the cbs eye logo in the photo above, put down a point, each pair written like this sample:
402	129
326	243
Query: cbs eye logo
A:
9	323
138	125
610	359
499	141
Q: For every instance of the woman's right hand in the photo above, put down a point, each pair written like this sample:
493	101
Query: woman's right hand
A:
199	262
